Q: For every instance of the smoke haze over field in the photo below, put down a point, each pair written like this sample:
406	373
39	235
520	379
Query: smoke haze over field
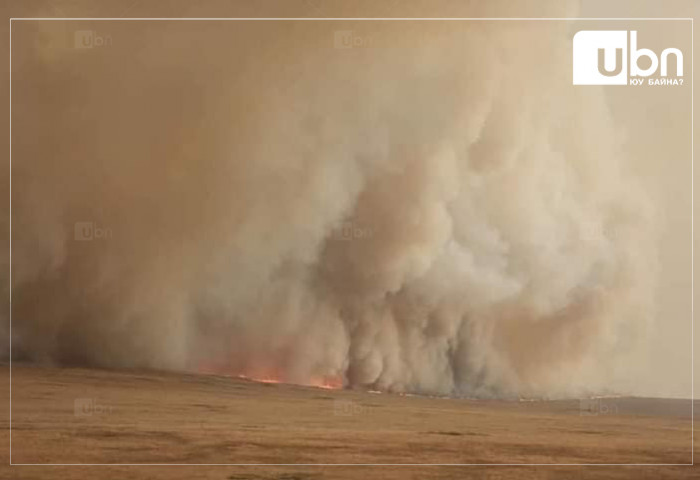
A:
430	211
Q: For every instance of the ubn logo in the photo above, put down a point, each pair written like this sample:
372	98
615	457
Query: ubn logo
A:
600	58
86	231
90	39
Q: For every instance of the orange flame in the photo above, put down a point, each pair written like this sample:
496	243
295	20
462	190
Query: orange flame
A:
328	382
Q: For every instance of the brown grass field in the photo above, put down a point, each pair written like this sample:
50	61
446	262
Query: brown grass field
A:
121	417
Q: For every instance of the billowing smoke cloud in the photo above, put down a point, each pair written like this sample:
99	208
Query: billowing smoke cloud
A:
434	209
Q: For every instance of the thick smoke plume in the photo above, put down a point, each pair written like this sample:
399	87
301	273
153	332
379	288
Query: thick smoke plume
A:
435	209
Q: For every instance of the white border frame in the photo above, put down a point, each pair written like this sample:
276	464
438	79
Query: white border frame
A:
692	196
